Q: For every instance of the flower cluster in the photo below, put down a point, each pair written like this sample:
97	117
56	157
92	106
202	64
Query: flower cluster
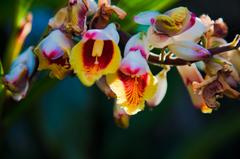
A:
82	41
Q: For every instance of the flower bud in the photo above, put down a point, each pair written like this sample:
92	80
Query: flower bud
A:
21	71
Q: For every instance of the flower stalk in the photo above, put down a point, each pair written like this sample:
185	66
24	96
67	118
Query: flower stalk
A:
168	60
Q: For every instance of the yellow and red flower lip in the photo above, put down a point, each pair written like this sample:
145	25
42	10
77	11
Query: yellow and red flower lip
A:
97	54
133	83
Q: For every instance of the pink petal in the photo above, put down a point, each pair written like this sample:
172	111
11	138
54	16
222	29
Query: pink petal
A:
55	45
189	50
134	64
137	42
108	33
193	33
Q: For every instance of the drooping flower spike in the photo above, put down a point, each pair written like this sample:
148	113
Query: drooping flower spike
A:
21	71
178	34
97	54
53	54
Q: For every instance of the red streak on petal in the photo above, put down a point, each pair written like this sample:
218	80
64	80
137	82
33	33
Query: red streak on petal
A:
193	19
82	14
188	81
88	59
152	21
89	35
141	49
107	54
131	71
103	60
51	55
191	22
134	87
59	61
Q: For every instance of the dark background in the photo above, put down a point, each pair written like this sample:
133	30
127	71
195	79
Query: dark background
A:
65	120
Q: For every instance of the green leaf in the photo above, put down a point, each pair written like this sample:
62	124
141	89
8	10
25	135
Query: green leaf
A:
133	7
2	92
23	7
1	74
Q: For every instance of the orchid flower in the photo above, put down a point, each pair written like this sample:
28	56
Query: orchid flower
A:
21	71
73	18
97	54
176	29
134	82
53	54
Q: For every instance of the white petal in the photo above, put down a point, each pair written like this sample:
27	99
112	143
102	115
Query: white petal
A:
134	64
146	18
17	72
193	33
92	7
158	40
189	50
161	89
55	45
137	42
109	33
27	58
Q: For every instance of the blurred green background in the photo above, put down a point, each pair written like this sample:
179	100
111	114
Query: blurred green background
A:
65	120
